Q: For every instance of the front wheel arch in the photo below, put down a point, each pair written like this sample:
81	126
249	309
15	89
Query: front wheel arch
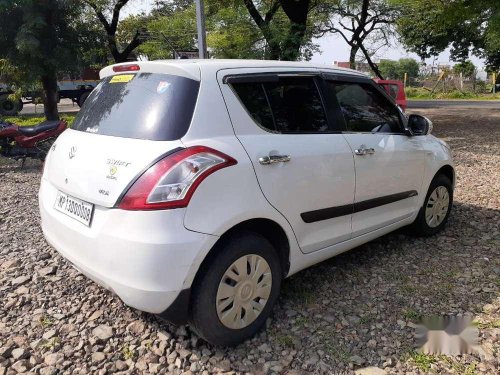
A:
448	171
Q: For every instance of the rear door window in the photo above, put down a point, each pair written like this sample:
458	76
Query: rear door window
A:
151	106
290	105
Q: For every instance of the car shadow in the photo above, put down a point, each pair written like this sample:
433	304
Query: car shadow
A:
365	302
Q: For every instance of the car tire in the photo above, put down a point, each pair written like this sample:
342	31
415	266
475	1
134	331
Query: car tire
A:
229	321
82	98
436	209
9	107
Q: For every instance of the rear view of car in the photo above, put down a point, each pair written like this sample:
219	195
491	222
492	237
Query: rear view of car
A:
110	179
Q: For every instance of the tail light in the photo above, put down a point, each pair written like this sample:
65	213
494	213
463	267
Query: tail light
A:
171	182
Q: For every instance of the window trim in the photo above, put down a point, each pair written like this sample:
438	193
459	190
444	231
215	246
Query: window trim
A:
367	81
275	77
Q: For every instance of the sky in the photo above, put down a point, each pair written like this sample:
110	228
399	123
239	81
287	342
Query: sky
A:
332	47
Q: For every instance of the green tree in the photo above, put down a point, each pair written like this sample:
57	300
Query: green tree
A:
287	26
467	68
428	27
361	23
389	69
121	41
408	66
39	39
235	29
170	29
233	34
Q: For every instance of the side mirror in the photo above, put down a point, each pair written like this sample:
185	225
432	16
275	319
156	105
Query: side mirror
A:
419	125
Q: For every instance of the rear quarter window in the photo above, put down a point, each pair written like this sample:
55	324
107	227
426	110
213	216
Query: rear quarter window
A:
150	106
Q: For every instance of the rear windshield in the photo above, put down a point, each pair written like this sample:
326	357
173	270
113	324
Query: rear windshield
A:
151	106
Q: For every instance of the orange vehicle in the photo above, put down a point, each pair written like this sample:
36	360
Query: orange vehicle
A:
395	89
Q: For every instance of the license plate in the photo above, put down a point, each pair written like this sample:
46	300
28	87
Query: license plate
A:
74	207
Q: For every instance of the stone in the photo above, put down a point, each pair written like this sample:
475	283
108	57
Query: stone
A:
22	365
370	371
19	353
163	336
181	331
47	271
96	314
121	366
224	365
103	332
21	280
356	359
98	357
49	370
53	358
49	334
154	368
13	263
137	327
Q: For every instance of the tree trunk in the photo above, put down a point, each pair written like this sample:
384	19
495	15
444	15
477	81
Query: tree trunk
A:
373	66
293	42
273	51
352	56
49	83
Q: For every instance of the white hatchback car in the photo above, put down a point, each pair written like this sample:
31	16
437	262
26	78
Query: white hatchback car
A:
192	188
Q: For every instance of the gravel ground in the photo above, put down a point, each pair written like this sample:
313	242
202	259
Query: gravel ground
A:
354	311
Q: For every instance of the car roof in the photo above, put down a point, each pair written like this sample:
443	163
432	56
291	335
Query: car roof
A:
191	66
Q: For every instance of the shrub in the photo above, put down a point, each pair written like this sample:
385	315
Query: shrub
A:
29	120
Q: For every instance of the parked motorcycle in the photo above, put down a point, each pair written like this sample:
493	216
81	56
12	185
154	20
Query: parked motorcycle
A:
21	142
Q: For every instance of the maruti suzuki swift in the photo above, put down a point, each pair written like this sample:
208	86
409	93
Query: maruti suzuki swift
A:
192	188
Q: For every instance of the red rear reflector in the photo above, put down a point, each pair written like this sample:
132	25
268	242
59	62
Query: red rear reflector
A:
126	68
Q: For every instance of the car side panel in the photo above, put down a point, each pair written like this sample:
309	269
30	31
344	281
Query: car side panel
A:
437	155
231	195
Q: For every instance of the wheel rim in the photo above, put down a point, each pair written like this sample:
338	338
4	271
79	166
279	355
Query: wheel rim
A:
437	206
244	291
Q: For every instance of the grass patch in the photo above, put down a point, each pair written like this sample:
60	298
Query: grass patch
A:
421	360
29	120
412	315
298	292
45	321
423	94
301	321
486	325
398	276
285	340
128	352
336	352
367	319
52	343
458	367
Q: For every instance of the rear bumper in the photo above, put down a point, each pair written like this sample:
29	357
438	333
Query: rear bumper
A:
146	258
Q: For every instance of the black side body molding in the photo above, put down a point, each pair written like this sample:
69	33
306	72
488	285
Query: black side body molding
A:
348	209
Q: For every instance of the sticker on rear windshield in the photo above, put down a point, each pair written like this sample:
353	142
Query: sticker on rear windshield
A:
162	87
122	78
